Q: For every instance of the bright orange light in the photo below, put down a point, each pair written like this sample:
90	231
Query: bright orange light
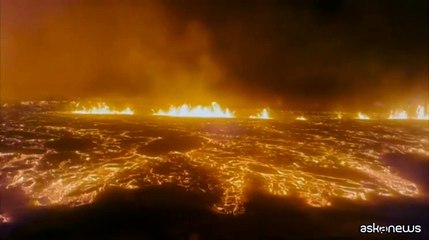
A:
421	114
264	114
214	111
362	116
339	115
301	118
398	114
232	161
102	109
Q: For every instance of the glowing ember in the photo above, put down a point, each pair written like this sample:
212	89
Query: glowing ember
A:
301	118
264	114
398	114
421	114
362	116
103	109
214	111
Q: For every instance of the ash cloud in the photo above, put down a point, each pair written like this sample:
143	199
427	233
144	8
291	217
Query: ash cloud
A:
304	54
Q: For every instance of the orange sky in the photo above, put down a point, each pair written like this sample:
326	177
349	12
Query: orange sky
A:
265	52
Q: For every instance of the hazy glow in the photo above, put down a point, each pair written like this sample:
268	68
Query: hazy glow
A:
362	116
398	114
421	114
4	218
214	111
102	109
264	114
301	118
339	115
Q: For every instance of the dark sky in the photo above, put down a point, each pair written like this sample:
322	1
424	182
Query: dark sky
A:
297	54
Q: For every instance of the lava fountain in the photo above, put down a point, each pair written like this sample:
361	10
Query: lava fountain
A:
214	111
264	114
421	114
102	109
398	114
362	116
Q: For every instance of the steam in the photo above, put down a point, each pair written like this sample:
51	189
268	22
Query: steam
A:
105	48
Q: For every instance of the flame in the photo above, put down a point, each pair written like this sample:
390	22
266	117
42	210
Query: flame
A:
421	114
398	114
362	116
339	115
264	114
103	109
301	118
214	111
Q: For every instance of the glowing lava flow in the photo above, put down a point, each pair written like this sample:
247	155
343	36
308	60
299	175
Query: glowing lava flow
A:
214	111
362	116
231	161
421	114
398	114
264	114
103	109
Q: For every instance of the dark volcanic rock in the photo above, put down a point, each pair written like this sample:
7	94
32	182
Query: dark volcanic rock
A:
26	134
410	166
52	160
7	148
18	149
31	151
170	212
171	143
70	144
